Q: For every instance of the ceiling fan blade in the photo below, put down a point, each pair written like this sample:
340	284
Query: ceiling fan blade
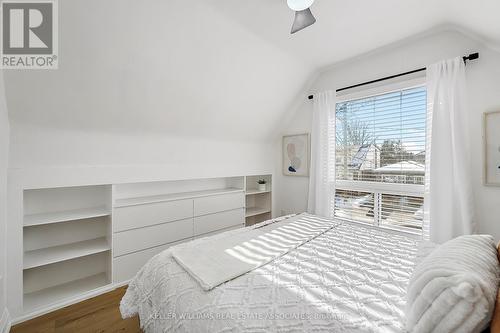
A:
303	19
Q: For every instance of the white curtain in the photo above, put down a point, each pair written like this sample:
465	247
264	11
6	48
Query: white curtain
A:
448	204
322	171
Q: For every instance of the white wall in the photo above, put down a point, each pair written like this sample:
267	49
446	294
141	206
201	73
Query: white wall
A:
483	78
173	68
40	147
179	85
4	158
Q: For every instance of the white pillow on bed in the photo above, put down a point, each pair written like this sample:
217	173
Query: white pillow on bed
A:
454	288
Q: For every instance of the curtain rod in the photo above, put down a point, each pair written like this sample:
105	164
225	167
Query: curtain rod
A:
472	56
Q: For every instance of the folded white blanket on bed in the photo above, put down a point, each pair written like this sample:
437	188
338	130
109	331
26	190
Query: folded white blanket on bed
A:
213	262
455	287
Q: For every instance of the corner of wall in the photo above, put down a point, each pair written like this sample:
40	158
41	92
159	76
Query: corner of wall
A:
5	322
4	160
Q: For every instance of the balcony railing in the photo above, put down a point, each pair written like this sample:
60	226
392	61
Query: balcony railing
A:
394	205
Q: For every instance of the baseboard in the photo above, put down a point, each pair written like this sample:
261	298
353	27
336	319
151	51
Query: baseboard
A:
5	322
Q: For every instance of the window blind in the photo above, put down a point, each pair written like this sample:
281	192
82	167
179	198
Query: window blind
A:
380	158
355	205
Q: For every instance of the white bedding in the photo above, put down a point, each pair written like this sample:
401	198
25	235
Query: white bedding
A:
349	279
454	289
216	261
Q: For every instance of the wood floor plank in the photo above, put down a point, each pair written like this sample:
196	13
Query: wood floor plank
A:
100	314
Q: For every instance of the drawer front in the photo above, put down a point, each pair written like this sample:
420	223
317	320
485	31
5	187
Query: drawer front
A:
213	222
126	218
144	238
218	203
125	267
219	231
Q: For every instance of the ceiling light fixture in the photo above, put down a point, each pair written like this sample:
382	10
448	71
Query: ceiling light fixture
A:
303	14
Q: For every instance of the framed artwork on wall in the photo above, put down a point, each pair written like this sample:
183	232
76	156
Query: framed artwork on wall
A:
491	138
296	155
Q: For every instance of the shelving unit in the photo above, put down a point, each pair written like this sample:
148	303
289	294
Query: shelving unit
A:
253	211
67	243
78	241
54	254
63	291
258	202
69	215
255	191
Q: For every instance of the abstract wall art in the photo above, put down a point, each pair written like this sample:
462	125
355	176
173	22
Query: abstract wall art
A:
296	155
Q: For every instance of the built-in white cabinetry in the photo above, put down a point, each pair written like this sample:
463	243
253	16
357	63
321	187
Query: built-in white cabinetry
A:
219	221
134	240
150	217
219	203
258	201
66	243
80	240
148	214
125	267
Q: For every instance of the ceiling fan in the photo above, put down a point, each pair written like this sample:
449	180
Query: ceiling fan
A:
303	14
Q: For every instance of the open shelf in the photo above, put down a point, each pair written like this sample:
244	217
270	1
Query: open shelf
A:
256	191
258	203
50	255
252	220
252	211
64	216
64	291
173	196
66	243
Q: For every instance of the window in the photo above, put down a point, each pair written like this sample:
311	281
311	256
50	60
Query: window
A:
380	159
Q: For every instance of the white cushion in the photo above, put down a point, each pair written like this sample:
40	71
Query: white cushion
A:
454	288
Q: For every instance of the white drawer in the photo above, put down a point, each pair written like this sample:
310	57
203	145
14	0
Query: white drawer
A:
125	267
130	217
213	222
218	203
220	231
144	238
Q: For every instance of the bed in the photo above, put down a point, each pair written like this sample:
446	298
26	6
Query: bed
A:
351	279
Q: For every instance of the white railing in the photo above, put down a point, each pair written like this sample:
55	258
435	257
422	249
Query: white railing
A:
399	215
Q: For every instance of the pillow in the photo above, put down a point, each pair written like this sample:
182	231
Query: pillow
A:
495	321
454	288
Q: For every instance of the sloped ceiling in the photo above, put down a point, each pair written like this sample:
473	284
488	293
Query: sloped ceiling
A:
210	68
347	28
177	67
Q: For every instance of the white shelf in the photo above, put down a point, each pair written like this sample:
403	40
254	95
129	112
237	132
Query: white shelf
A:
44	297
64	216
255	191
172	197
50	255
252	211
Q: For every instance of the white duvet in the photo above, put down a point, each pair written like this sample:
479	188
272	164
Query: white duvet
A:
349	279
215	261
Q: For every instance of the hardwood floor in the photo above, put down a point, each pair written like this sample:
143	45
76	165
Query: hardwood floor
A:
99	314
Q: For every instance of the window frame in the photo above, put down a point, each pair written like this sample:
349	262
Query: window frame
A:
379	188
